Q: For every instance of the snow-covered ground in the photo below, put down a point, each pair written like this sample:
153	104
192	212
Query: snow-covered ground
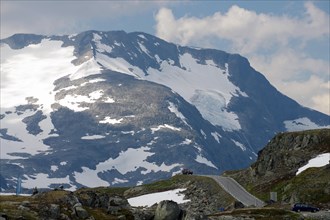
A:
319	161
42	180
210	97
127	161
151	199
31	72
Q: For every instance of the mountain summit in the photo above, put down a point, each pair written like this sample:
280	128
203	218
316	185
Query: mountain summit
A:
115	108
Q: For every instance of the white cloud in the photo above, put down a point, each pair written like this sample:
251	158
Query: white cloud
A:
276	45
246	29
67	17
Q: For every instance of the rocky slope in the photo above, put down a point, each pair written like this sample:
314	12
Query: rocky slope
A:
111	203
275	170
277	165
206	199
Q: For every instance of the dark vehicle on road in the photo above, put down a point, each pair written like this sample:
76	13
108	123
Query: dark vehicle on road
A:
299	207
187	172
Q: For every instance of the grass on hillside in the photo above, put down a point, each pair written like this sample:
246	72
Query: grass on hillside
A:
309	187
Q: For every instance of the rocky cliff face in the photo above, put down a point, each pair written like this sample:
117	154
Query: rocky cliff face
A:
287	152
277	165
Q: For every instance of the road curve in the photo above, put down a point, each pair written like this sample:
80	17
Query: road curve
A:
237	191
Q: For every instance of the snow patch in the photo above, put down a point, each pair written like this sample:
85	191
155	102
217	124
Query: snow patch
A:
117	181
92	137
165	126
93	81
142	36
150	199
73	102
212	105
99	46
42	180
29	143
239	144
53	168
203	160
203	133
127	161
173	108
144	49
87	68
109	120
119	65
186	142
109	100
216	136
318	161
89	178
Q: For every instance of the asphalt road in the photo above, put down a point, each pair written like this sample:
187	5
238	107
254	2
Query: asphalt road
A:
237	191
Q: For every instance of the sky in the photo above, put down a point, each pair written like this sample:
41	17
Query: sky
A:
287	41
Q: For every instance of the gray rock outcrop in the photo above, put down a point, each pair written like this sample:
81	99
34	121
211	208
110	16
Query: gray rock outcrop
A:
167	210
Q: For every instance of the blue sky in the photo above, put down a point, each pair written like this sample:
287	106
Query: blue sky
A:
288	41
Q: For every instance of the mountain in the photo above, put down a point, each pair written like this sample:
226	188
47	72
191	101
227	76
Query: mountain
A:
114	108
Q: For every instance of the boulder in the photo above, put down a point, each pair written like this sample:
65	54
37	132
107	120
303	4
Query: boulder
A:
79	211
93	199
70	199
167	210
118	201
143	214
54	211
49	211
116	204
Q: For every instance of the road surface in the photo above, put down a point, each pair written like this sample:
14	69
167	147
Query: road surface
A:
237	191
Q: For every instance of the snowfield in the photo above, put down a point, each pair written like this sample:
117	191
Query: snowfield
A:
319	161
127	161
38	65
151	199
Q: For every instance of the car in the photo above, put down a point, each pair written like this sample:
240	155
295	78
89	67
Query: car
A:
187	172
298	207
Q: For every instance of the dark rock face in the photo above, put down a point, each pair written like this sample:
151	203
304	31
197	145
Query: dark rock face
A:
286	152
79	211
278	163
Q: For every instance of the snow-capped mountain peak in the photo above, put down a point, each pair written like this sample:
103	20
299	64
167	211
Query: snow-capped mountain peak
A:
115	108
